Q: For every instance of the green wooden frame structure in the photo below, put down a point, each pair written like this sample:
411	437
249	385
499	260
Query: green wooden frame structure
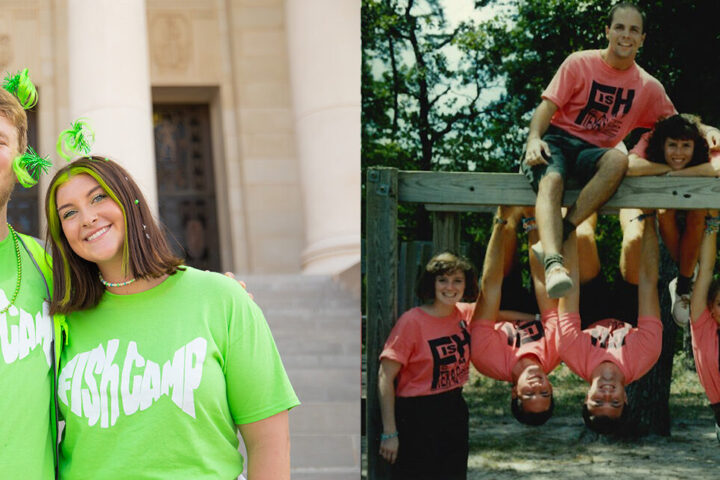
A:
446	194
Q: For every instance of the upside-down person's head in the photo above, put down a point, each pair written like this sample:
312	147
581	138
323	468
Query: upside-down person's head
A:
677	142
605	408
437	274
531	399
130	235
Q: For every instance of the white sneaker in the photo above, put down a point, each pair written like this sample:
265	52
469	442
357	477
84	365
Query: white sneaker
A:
680	305
557	282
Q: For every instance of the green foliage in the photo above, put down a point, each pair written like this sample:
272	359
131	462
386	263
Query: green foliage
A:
430	93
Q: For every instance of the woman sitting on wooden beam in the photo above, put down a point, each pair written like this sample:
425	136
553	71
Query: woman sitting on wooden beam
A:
674	148
611	353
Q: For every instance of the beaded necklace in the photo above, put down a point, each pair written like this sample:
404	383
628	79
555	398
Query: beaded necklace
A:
19	269
110	284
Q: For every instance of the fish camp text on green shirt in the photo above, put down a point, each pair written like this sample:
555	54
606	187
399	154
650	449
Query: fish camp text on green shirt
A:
97	382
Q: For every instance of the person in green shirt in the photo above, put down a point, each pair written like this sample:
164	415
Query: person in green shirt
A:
27	332
164	363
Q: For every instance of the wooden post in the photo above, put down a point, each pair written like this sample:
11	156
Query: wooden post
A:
446	232
381	310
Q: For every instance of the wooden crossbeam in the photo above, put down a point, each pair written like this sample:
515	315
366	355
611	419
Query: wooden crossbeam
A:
461	191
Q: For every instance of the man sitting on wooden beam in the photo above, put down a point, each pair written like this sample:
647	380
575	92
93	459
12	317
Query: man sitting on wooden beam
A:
594	100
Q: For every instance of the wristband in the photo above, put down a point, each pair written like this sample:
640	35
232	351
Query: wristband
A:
712	224
528	224
642	217
388	436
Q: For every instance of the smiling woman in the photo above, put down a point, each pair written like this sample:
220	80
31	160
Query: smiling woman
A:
168	361
428	354
676	147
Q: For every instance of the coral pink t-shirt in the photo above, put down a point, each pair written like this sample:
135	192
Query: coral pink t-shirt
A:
640	148
497	346
434	351
633	350
705	333
602	104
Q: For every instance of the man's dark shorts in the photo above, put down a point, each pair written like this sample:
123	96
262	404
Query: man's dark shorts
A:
571	157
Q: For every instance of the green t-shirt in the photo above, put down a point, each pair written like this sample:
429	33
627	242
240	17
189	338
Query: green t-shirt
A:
152	384
26	428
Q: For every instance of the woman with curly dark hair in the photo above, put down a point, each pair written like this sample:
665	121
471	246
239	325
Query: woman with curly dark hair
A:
676	147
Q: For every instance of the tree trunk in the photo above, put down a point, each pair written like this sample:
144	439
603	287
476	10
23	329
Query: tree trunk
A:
649	397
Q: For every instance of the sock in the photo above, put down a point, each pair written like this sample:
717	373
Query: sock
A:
568	228
683	285
552	260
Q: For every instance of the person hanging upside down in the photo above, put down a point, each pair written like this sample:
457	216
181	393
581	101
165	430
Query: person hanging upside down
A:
610	354
705	320
523	351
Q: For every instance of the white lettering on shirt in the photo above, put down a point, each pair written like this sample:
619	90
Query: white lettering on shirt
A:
20	333
96	385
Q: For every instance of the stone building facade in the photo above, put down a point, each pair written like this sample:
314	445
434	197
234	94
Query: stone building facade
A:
239	118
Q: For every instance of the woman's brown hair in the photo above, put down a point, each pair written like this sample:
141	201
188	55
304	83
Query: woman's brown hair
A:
146	253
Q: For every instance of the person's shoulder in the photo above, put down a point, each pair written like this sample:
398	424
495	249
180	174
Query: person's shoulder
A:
646	78
584	56
208	281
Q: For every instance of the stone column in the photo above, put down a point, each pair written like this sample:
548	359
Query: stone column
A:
109	83
324	48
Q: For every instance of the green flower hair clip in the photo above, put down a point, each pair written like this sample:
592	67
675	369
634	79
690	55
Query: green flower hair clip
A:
77	139
29	166
22	87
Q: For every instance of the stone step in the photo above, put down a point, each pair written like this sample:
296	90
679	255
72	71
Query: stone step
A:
316	325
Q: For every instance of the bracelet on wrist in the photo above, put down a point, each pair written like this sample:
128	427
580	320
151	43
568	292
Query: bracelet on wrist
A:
388	436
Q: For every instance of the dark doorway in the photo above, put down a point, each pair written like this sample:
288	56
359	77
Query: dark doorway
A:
186	182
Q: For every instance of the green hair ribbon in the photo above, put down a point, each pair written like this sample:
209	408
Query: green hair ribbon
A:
77	139
22	87
28	166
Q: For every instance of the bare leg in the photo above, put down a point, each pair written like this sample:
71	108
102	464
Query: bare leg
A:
537	272
631	244
648	302
587	249
611	170
670	233
512	216
690	242
547	213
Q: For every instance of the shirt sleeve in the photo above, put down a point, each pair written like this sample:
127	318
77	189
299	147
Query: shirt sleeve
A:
640	148
400	344
659	106
257	385
489	350
644	345
563	84
573	344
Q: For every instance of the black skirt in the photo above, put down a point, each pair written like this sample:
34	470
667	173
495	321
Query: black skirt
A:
433	432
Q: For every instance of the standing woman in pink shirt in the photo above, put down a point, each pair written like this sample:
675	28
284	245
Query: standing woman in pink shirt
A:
423	367
705	320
